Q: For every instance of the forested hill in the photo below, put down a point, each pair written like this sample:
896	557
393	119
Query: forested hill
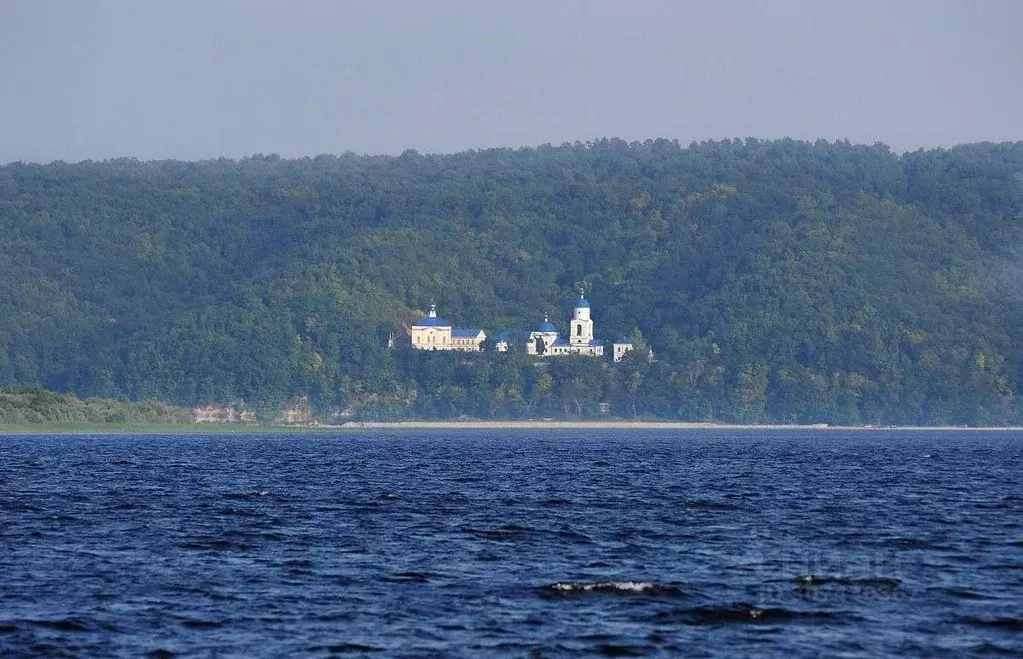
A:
775	281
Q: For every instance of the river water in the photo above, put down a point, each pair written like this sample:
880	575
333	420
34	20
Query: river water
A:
513	543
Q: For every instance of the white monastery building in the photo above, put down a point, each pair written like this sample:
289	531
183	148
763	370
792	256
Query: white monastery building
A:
544	340
620	347
432	333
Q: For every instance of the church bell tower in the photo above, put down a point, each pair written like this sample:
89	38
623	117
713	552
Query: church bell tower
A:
581	325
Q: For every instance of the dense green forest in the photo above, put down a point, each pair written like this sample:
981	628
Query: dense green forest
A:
35	406
775	280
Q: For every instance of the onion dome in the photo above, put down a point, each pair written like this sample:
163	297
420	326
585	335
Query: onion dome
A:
546	326
431	319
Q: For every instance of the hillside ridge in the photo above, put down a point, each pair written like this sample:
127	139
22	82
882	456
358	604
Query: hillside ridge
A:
776	281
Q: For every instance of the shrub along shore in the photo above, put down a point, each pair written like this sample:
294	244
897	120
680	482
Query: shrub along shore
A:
30	407
38	411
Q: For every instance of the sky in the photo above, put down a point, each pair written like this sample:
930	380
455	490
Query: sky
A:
194	79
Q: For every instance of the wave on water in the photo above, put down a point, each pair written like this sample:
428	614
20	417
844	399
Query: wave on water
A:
872	582
914	543
562	588
612	650
573	536
409	577
506	532
181	465
745	613
962	593
428	545
193	623
341	648
514	532
708	504
18	506
215	545
1000	623
246	496
1006	502
64	624
232	511
993	649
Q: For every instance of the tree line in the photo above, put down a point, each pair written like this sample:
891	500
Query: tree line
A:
22	406
781	281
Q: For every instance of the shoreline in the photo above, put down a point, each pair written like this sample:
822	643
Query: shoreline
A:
375	426
632	425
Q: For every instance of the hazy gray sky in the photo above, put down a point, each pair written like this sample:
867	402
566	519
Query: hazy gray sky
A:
206	78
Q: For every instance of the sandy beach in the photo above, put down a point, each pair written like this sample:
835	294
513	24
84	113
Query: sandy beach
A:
625	425
456	426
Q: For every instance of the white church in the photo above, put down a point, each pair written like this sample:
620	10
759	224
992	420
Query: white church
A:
544	341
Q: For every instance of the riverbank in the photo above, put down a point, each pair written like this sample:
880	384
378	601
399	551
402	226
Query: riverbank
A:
455	426
628	425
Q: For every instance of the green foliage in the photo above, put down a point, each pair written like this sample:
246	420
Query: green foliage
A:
774	280
38	406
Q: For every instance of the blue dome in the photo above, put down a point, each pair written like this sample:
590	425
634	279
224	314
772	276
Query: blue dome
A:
546	326
431	321
581	303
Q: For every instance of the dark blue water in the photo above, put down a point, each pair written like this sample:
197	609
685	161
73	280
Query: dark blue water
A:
513	543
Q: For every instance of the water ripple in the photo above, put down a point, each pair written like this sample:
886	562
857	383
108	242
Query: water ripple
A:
524	543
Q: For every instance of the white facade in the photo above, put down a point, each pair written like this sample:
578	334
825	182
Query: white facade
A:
581	327
620	347
545	342
432	333
541	340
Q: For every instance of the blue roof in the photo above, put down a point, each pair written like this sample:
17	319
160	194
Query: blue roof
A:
431	321
623	340
458	331
546	327
594	342
503	336
581	303
560	342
